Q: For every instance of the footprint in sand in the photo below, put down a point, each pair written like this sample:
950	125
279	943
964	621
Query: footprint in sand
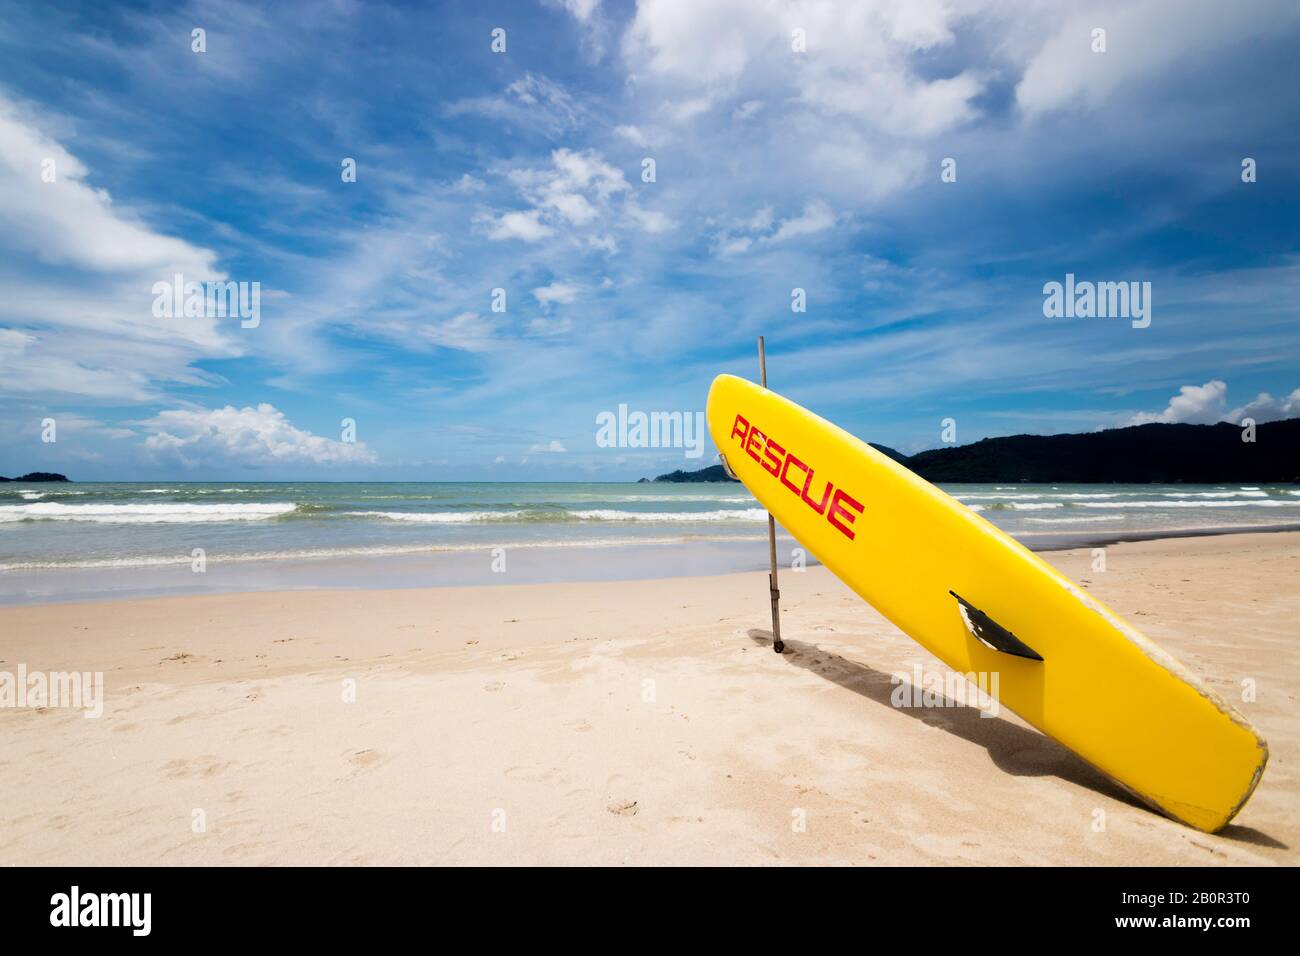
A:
205	766
623	808
365	758
242	850
532	774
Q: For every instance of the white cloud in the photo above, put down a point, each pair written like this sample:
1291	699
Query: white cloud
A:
858	62
13	343
1204	404
85	327
581	9
576	190
817	216
469	184
531	102
1193	405
1266	408
1143	39
595	28
704	42
762	227
552	447
68	221
632	134
683	111
527	226
468	331
243	437
579	171
648	220
548	328
562	292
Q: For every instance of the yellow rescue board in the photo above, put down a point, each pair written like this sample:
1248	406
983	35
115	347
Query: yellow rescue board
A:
1101	688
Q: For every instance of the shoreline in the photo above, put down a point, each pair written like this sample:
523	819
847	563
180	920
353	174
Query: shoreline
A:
623	722
579	562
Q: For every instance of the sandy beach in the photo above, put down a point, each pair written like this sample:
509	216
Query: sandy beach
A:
621	722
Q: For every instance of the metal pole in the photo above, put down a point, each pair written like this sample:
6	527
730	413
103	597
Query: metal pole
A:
773	590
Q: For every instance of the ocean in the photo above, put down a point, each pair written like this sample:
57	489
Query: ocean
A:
83	540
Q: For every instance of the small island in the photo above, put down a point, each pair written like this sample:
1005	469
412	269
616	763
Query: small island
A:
712	473
33	476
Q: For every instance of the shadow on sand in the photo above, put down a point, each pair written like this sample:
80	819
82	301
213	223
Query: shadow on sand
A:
1013	749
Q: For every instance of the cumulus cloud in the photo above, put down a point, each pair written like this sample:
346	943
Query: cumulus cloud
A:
1266	408
552	447
1193	405
527	226
573	187
579	189
1205	404
250	437
859	60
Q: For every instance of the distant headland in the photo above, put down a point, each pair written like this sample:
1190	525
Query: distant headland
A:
1153	453
37	476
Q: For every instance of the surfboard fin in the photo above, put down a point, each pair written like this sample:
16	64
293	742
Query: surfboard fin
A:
992	634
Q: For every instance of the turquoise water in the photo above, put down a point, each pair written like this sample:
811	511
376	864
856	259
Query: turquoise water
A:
148	524
126	525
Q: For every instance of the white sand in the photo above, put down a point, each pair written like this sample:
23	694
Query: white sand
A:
625	722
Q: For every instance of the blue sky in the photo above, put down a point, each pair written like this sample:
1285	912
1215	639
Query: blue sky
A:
775	170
